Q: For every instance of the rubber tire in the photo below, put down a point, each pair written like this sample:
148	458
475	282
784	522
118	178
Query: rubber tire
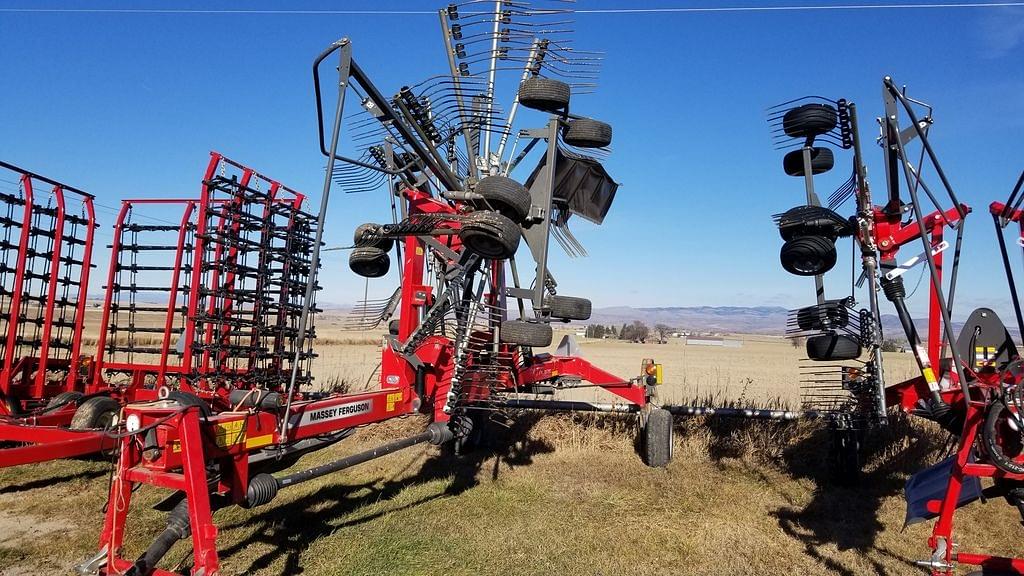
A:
813	221
822	160
568	307
544	94
990	444
183	398
97	412
657	439
506	196
832	347
587	133
813	317
846	457
810	120
384	244
490	235
808	255
530	334
63	399
369	262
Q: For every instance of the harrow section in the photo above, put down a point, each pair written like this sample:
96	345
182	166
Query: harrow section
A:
45	260
210	301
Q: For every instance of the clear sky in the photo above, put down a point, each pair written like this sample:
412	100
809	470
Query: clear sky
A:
130	105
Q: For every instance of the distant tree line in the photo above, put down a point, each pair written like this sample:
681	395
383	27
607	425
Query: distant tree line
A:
637	331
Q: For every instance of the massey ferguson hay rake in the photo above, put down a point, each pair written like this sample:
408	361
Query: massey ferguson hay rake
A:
969	384
843	374
442	150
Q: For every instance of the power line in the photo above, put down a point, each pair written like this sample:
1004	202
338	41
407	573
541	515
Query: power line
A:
666	10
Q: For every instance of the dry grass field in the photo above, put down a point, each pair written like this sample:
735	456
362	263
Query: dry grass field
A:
553	495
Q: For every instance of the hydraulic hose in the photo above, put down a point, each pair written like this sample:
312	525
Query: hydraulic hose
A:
177	529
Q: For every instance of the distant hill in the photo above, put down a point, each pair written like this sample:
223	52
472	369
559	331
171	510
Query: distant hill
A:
747	320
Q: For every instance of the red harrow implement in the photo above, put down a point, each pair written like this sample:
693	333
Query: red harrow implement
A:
45	261
200	302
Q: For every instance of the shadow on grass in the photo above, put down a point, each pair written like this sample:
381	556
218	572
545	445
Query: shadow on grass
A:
839	514
49	481
291	527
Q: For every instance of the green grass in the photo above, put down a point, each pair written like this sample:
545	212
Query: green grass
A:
555	496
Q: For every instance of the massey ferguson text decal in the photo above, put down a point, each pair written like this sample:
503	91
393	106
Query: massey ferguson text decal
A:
336	412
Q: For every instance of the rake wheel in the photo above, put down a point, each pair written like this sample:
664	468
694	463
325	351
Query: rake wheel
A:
369	262
384	244
823	316
832	347
530	334
810	120
808	255
490	235
822	160
568	307
508	197
544	94
587	133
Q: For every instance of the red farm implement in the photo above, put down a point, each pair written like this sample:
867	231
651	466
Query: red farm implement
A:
200	301
45	261
969	384
454	352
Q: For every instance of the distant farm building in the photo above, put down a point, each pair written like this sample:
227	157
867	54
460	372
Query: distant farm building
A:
713	341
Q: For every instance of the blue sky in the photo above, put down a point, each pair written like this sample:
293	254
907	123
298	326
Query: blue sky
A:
130	105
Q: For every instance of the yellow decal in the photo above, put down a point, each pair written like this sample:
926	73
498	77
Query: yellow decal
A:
229	433
419	251
392	399
929	375
259	441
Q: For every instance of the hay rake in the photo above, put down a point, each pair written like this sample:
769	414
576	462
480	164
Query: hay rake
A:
969	384
452	352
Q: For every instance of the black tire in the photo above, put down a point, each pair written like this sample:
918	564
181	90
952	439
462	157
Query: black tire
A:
996	441
531	334
63	399
97	412
384	244
369	262
822	160
506	196
809	120
587	133
183	398
657	439
544	94
832	347
846	457
827	316
490	235
813	221
808	255
471	436
568	307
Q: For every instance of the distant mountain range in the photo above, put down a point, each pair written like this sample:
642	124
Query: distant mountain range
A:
735	319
